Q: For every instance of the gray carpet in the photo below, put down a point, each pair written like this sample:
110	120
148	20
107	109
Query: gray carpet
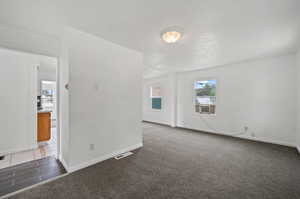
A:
179	164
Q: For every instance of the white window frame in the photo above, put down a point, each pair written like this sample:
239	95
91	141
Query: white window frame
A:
150	97
194	95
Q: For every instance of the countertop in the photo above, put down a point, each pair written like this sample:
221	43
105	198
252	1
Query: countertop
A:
44	111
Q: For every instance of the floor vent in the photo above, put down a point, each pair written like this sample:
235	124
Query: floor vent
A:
123	155
2	157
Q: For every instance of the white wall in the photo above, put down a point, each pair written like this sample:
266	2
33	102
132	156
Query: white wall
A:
166	114
18	77
74	154
105	99
298	100
259	94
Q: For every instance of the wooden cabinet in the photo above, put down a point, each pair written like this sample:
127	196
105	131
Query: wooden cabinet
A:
44	126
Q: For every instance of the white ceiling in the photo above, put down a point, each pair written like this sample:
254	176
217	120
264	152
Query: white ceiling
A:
215	32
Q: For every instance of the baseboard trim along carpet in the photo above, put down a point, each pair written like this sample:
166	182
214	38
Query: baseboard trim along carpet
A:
243	137
64	163
102	158
158	123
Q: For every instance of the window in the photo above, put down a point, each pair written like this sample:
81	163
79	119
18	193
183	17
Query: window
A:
156	97
205	96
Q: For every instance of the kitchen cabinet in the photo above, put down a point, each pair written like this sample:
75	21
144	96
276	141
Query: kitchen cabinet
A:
44	126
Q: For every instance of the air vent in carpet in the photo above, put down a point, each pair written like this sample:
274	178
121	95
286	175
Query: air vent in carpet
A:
123	155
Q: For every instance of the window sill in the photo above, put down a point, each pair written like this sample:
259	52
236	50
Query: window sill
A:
156	110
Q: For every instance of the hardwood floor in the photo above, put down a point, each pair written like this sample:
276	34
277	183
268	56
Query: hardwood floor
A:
23	175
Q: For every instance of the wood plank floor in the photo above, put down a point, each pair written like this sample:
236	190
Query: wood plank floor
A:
23	175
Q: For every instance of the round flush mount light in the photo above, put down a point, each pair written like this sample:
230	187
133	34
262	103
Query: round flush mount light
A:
172	34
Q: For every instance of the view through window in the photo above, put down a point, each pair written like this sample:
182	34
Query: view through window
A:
156	97
48	99
205	99
48	95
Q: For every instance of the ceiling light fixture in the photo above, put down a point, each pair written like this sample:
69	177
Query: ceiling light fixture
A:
171	35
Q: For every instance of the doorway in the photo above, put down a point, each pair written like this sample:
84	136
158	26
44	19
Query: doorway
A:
47	115
30	133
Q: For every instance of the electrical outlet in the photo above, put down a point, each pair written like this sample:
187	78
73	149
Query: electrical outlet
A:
92	147
246	128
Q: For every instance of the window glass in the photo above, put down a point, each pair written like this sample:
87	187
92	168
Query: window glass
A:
205	96
156	98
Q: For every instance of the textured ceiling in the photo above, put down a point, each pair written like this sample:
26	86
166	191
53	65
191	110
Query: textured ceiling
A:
215	32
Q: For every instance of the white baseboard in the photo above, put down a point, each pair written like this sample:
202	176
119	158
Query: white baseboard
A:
64	163
266	141
34	146
102	158
157	122
258	139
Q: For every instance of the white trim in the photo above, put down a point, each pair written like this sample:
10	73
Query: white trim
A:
57	109
245	137
298	148
33	143
64	163
173	125
155	84
34	146
102	158
159	122
266	141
